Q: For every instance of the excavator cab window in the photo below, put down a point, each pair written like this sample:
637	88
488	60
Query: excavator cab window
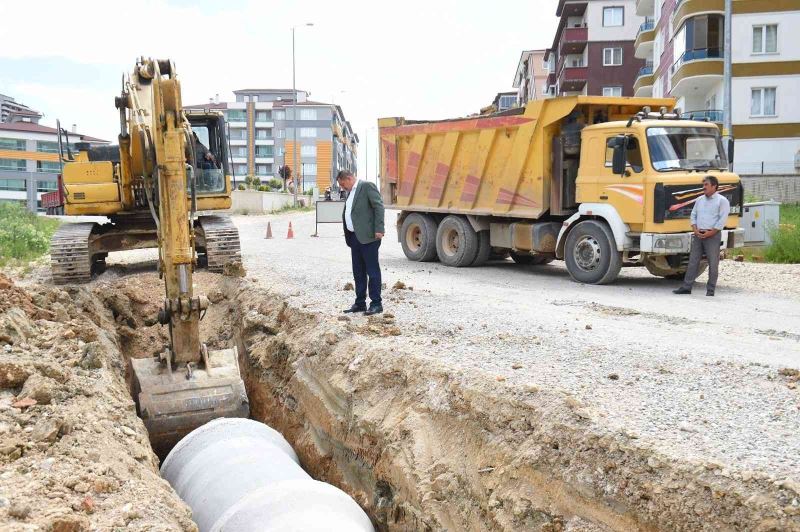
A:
210	154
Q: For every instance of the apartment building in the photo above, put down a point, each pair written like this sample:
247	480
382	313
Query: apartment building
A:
14	111
593	49
682	42
530	80
262	136
29	163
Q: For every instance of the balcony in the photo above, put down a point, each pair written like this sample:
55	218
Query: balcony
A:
573	40
686	8
573	78
710	115
697	71
643	87
645	40
645	8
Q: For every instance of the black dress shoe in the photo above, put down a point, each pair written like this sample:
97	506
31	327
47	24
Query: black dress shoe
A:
374	309
709	292
355	308
682	291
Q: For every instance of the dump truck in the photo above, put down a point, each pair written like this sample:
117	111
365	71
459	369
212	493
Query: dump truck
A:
597	182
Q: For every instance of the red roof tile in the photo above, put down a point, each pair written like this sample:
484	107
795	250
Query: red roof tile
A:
38	128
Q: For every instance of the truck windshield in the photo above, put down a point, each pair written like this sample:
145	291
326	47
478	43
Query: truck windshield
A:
685	148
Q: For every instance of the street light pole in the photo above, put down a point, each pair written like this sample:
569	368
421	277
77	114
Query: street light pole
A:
294	116
727	126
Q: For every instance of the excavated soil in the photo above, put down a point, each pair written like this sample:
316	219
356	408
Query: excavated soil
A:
73	454
418	444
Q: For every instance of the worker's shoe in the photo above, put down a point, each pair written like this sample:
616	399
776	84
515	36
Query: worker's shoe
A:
355	308
709	293
374	308
682	290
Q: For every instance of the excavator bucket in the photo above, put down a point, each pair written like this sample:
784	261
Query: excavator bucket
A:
173	401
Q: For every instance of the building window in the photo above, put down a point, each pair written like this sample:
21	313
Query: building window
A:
308	114
308	132
263	116
281	133
280	151
255	98
47	166
240	169
613	16
12	184
612	56
239	151
309	169
762	101
237	115
15	165
46	146
12	144
612	91
238	134
46	186
263	151
765	39
308	150
280	115
263	169
263	133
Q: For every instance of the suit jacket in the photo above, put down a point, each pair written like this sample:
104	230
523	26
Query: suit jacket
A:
367	214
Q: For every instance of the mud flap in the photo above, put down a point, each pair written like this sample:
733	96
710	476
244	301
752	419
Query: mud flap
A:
173	403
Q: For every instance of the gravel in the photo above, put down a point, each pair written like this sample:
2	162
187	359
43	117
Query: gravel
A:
696	378
692	377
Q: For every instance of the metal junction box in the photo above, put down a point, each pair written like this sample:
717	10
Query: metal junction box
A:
757	221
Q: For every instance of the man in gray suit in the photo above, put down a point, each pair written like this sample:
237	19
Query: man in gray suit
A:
363	231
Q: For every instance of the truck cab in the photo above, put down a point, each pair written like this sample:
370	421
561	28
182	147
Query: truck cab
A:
644	176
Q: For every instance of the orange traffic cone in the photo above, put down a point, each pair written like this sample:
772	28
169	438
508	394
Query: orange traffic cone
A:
269	230
290	234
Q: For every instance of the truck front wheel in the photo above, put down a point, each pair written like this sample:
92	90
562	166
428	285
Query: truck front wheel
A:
591	253
456	242
418	237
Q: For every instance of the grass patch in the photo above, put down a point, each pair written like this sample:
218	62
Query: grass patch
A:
24	236
785	247
292	208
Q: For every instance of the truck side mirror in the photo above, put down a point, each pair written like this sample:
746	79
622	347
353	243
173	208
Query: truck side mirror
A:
730	151
620	160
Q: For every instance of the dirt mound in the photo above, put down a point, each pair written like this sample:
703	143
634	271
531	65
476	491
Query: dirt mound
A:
73	453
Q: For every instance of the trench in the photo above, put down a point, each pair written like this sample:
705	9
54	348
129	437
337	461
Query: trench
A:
423	447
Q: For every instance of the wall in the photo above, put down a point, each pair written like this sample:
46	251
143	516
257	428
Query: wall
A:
627	32
788	37
777	155
259	202
612	76
785	189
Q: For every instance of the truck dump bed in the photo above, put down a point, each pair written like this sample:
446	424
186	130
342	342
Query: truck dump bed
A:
497	165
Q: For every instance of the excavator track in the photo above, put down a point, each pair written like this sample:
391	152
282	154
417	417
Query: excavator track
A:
70	254
221	241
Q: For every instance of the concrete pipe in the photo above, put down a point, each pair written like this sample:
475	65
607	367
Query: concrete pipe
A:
240	475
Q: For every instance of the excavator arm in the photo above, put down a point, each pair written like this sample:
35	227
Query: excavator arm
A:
187	385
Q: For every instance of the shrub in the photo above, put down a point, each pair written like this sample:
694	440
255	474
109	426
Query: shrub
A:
785	247
241	187
23	235
275	184
263	188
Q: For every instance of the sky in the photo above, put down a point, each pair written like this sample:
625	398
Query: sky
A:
414	58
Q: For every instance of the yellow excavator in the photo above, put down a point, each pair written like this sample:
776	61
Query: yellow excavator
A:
170	165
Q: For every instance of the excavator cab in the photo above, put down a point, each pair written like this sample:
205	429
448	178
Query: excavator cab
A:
208	156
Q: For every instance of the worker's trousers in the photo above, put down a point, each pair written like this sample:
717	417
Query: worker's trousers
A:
710	248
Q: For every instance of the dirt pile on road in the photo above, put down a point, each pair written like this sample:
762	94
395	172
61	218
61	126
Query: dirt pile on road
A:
73	453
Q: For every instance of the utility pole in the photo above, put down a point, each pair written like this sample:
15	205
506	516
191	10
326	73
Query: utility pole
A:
727	126
294	117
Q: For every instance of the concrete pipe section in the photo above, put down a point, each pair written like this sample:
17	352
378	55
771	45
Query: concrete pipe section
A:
241	475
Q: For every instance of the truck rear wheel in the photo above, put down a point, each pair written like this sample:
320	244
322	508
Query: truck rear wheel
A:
456	242
591	253
418	237
484	249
